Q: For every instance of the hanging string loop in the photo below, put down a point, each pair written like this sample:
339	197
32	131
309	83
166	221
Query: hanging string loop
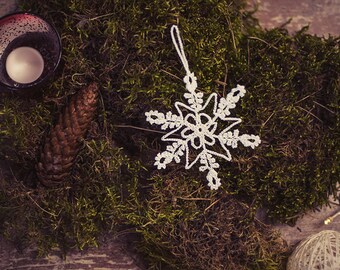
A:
190	79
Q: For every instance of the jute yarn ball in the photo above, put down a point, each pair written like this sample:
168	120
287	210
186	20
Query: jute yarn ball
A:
318	251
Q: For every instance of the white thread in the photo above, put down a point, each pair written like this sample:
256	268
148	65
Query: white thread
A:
179	47
318	251
198	130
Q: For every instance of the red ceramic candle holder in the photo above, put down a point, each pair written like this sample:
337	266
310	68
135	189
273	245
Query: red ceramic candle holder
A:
24	30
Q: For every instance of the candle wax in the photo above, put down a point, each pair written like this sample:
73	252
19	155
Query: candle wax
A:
24	65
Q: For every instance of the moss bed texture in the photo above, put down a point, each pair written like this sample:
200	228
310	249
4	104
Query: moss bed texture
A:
292	103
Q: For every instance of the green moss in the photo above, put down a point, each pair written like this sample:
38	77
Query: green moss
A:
95	200
292	102
190	227
21	128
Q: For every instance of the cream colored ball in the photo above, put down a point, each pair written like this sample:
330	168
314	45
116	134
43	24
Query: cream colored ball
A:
24	65
318	251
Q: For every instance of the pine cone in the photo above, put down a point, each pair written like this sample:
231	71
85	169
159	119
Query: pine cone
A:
64	141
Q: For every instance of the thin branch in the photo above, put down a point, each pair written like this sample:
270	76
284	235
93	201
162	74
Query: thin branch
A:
193	199
221	83
267	119
172	75
42	209
139	128
270	45
211	205
29	196
317	103
312	94
248	53
225	80
232	33
309	112
101	16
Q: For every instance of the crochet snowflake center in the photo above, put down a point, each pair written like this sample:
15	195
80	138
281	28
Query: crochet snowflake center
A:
197	129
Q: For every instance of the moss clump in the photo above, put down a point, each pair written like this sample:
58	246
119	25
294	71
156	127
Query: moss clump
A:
188	227
21	128
73	215
292	103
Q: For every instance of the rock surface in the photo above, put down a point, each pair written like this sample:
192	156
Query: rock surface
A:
322	16
113	254
7	6
311	223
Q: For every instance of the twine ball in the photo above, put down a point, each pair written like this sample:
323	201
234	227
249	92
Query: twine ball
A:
318	251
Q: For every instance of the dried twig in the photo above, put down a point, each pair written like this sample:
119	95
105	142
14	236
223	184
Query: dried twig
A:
317	103
139	128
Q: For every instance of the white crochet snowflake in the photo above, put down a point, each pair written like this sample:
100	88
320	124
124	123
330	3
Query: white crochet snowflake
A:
192	128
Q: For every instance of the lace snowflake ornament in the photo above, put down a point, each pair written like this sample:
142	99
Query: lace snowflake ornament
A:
192	128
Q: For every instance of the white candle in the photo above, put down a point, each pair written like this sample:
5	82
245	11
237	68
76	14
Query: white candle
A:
24	65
